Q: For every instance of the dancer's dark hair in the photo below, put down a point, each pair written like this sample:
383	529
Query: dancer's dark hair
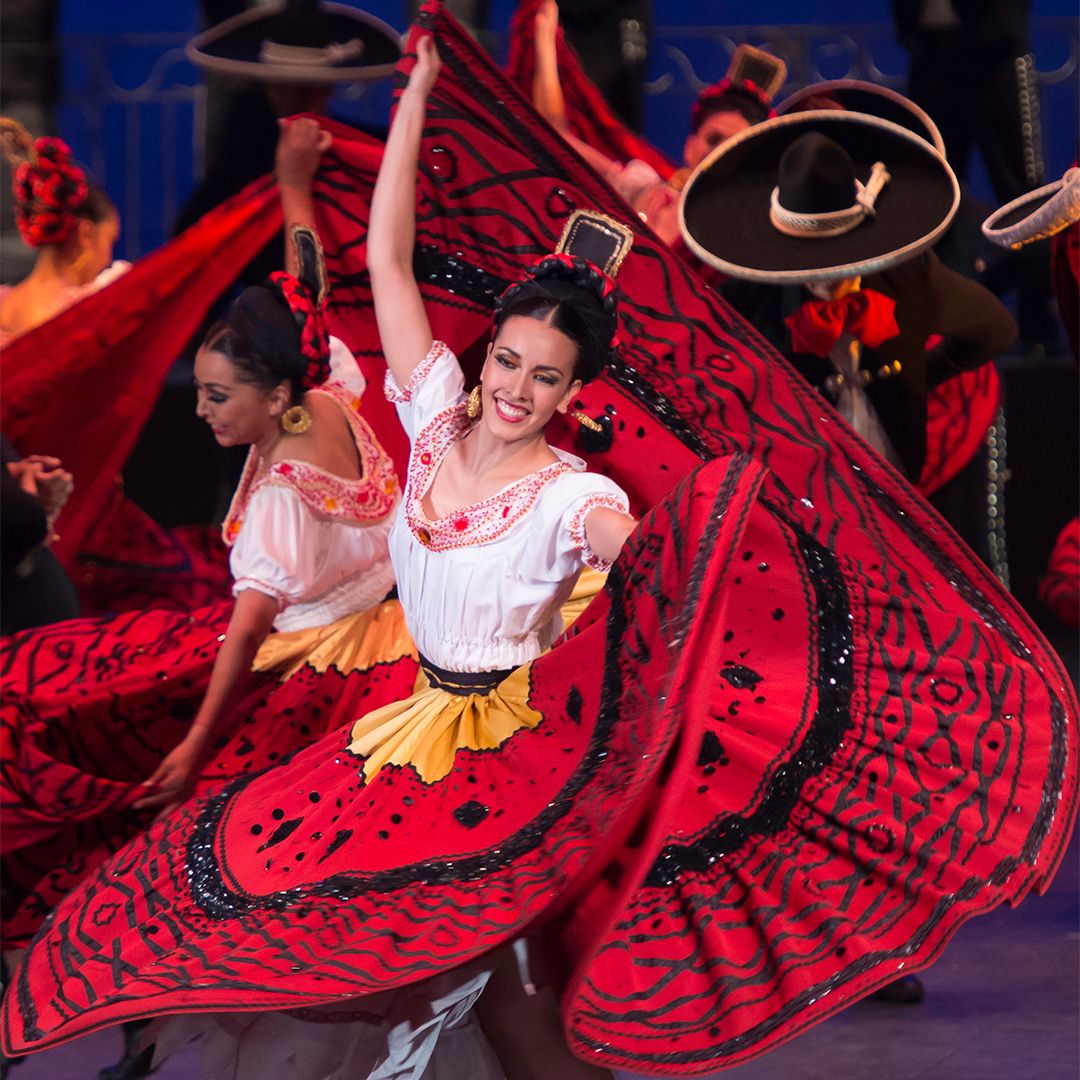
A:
278	332
734	99
575	298
261	339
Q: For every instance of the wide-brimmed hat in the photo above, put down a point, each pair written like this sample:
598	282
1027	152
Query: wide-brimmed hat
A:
854	95
1037	214
300	41
817	196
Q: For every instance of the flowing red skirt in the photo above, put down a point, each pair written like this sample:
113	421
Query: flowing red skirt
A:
959	413
128	562
90	707
717	844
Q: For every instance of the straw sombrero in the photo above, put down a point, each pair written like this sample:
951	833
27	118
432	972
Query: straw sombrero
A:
800	198
1037	214
301	41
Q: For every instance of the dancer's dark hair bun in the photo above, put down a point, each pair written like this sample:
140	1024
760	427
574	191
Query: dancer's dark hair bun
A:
262	340
743	97
582	300
50	190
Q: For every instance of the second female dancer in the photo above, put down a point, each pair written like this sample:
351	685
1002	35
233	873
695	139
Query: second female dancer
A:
109	721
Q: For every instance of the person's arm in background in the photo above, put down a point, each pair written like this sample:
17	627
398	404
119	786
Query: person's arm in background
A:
301	144
23	523
547	93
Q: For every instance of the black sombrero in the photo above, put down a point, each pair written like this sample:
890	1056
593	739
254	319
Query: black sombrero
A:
301	41
784	201
1037	214
854	95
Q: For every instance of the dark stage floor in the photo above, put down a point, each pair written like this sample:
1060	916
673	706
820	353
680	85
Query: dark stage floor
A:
1004	1001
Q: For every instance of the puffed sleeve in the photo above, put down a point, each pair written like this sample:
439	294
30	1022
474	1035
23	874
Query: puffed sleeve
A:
275	553
344	370
436	382
561	547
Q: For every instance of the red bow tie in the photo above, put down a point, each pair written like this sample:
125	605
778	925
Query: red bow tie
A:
866	315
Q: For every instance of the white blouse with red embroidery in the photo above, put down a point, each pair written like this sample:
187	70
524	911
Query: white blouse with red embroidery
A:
311	540
481	588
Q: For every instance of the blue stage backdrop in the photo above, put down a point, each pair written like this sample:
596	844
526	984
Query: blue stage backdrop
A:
131	103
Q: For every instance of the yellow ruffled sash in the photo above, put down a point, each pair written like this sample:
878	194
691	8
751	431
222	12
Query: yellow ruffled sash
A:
427	729
355	643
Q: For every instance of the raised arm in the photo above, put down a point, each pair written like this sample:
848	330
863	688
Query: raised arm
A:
547	92
399	309
301	144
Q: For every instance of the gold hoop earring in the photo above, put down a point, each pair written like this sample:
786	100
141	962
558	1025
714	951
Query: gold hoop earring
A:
296	420
475	405
587	421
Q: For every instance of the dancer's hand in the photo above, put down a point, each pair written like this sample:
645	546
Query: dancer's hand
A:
54	485
547	23
426	70
300	146
174	779
45	479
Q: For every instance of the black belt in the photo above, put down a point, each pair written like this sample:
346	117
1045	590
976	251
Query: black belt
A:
462	683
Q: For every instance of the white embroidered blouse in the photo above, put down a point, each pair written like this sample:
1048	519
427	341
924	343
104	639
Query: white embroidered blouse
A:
481	588
311	540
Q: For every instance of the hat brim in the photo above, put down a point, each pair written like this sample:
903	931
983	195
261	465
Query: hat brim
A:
234	46
855	95
1037	214
724	209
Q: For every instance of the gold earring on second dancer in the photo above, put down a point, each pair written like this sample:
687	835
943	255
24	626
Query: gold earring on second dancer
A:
475	405
296	420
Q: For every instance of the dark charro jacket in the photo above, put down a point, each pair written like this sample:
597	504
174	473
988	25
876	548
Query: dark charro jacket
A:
930	299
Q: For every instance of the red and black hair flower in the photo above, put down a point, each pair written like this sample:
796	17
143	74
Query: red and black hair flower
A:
736	93
310	319
49	191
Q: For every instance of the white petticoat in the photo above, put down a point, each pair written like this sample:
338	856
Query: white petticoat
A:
423	1032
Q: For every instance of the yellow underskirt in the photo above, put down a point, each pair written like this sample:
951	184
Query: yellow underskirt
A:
588	585
427	729
354	643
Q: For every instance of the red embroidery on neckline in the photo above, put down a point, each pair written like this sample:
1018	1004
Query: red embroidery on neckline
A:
479	523
354	502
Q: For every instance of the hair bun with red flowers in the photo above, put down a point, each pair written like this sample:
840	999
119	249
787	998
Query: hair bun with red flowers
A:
743	96
48	186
